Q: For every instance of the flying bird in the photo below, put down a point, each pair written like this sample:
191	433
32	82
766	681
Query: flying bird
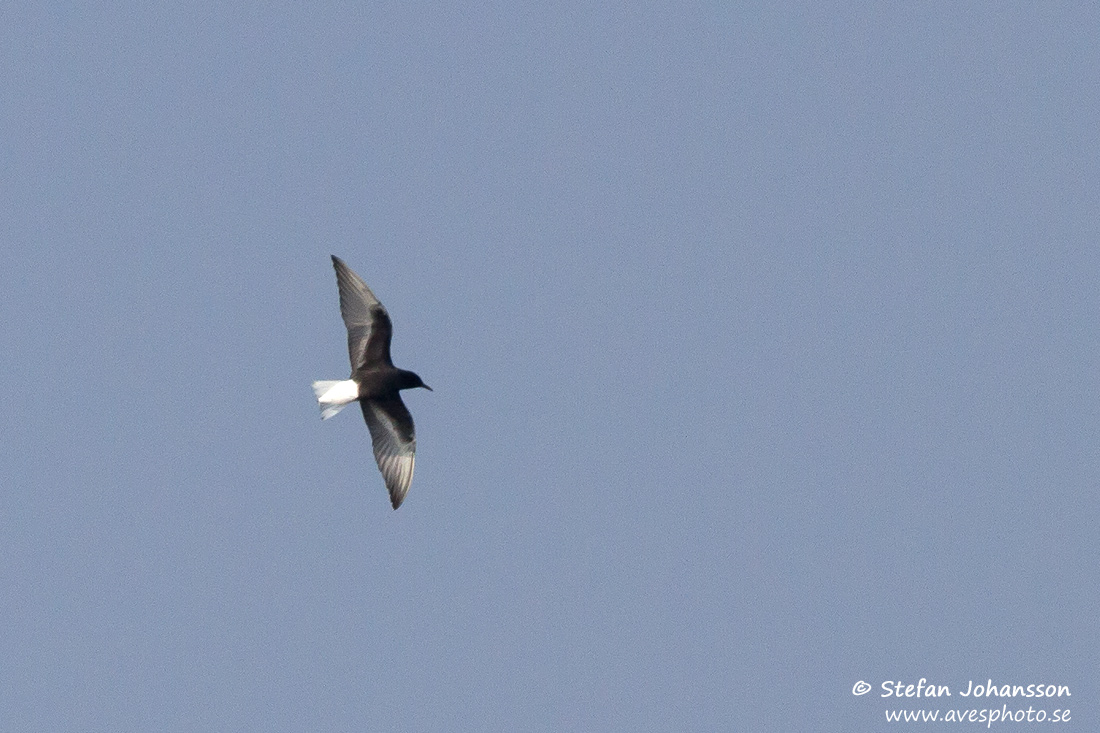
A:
375	383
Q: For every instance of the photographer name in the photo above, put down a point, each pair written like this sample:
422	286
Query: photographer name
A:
892	688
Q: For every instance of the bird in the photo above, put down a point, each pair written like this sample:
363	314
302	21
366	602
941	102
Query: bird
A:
375	383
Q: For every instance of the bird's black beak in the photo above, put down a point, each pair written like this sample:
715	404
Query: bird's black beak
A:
427	388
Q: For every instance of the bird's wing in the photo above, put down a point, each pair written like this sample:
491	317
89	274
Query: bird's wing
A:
394	440
368	323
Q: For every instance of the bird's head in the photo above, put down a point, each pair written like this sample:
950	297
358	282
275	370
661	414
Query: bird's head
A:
412	380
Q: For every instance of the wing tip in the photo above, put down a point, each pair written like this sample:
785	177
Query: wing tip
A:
398	493
397	498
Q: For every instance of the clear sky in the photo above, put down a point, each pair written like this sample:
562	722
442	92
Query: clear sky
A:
764	341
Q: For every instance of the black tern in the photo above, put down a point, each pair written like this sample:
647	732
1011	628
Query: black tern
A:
375	383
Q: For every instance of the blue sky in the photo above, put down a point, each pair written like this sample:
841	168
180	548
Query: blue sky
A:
763	341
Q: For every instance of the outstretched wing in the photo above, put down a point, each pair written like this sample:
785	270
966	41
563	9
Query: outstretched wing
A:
368	323
394	440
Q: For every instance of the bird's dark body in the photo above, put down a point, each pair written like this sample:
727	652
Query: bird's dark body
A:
374	383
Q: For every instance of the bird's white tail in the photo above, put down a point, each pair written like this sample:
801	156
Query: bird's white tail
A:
334	395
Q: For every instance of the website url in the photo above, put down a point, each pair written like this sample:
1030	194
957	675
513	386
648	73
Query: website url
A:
989	716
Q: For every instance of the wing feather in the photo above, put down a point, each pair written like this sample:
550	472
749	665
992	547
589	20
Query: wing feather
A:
394	439
369	327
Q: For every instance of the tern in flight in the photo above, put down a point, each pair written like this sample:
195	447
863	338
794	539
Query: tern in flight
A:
375	383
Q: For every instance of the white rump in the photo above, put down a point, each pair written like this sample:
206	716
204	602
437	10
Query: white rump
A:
334	395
